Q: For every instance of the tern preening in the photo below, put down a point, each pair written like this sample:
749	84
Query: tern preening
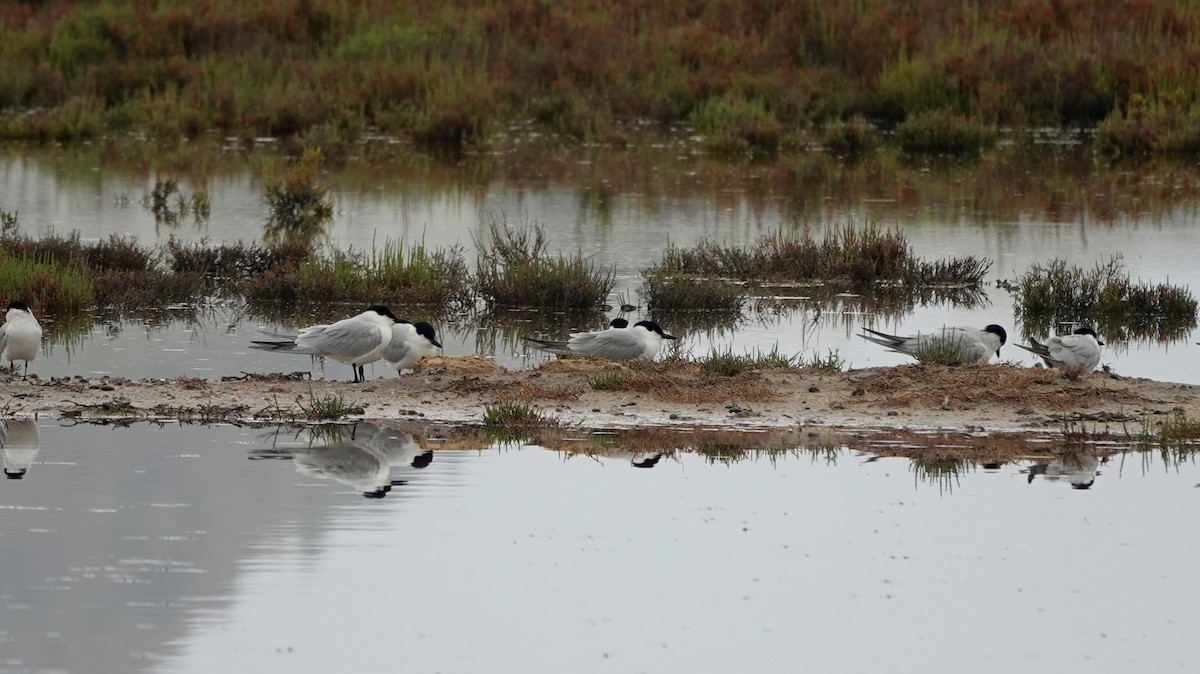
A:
1079	351
20	336
640	340
973	344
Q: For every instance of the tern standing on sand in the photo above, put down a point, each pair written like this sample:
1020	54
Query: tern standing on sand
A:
20	336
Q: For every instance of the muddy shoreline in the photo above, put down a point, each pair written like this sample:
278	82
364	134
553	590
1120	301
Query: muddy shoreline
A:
996	398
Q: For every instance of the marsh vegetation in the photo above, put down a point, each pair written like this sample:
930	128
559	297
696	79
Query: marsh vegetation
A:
751	78
1105	297
714	277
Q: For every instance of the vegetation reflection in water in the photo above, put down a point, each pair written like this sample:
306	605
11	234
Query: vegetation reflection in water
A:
373	457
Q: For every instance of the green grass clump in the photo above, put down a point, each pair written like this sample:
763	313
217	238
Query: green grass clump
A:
774	359
394	274
942	352
666	292
831	362
733	125
508	413
851	137
702	277
1057	293
725	363
943	131
329	407
1145	128
609	379
47	286
510	420
516	269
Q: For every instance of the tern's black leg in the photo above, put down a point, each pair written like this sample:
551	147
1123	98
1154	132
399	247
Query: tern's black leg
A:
362	376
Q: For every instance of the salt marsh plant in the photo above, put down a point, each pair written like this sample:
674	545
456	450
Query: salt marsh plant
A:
725	363
851	137
393	274
516	269
944	131
328	407
49	287
673	291
1147	127
734	125
832	362
942	352
1056	293
866	258
510	420
746	72
609	379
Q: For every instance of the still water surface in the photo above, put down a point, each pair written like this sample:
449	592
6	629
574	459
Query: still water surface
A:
620	208
186	549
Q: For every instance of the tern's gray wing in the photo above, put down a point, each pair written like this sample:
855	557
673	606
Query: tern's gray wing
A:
1038	349
550	345
3	335
284	341
884	339
614	344
965	341
348	339
1074	351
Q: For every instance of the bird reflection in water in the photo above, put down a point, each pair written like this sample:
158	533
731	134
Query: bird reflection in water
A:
19	444
371	458
636	459
1078	470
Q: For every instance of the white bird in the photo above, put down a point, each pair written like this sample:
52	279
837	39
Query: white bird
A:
641	340
409	343
974	344
19	443
357	340
20	336
1079	351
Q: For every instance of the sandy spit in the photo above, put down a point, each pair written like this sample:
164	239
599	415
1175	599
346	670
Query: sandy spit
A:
1003	398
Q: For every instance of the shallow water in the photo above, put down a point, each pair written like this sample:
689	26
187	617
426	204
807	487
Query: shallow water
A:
621	207
188	549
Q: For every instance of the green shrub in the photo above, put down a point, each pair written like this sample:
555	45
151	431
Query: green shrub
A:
515	269
943	131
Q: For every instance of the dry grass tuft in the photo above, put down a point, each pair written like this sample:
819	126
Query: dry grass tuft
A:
580	365
460	365
527	390
688	384
939	385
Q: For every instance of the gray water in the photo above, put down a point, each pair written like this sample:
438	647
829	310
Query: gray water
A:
202	549
620	208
